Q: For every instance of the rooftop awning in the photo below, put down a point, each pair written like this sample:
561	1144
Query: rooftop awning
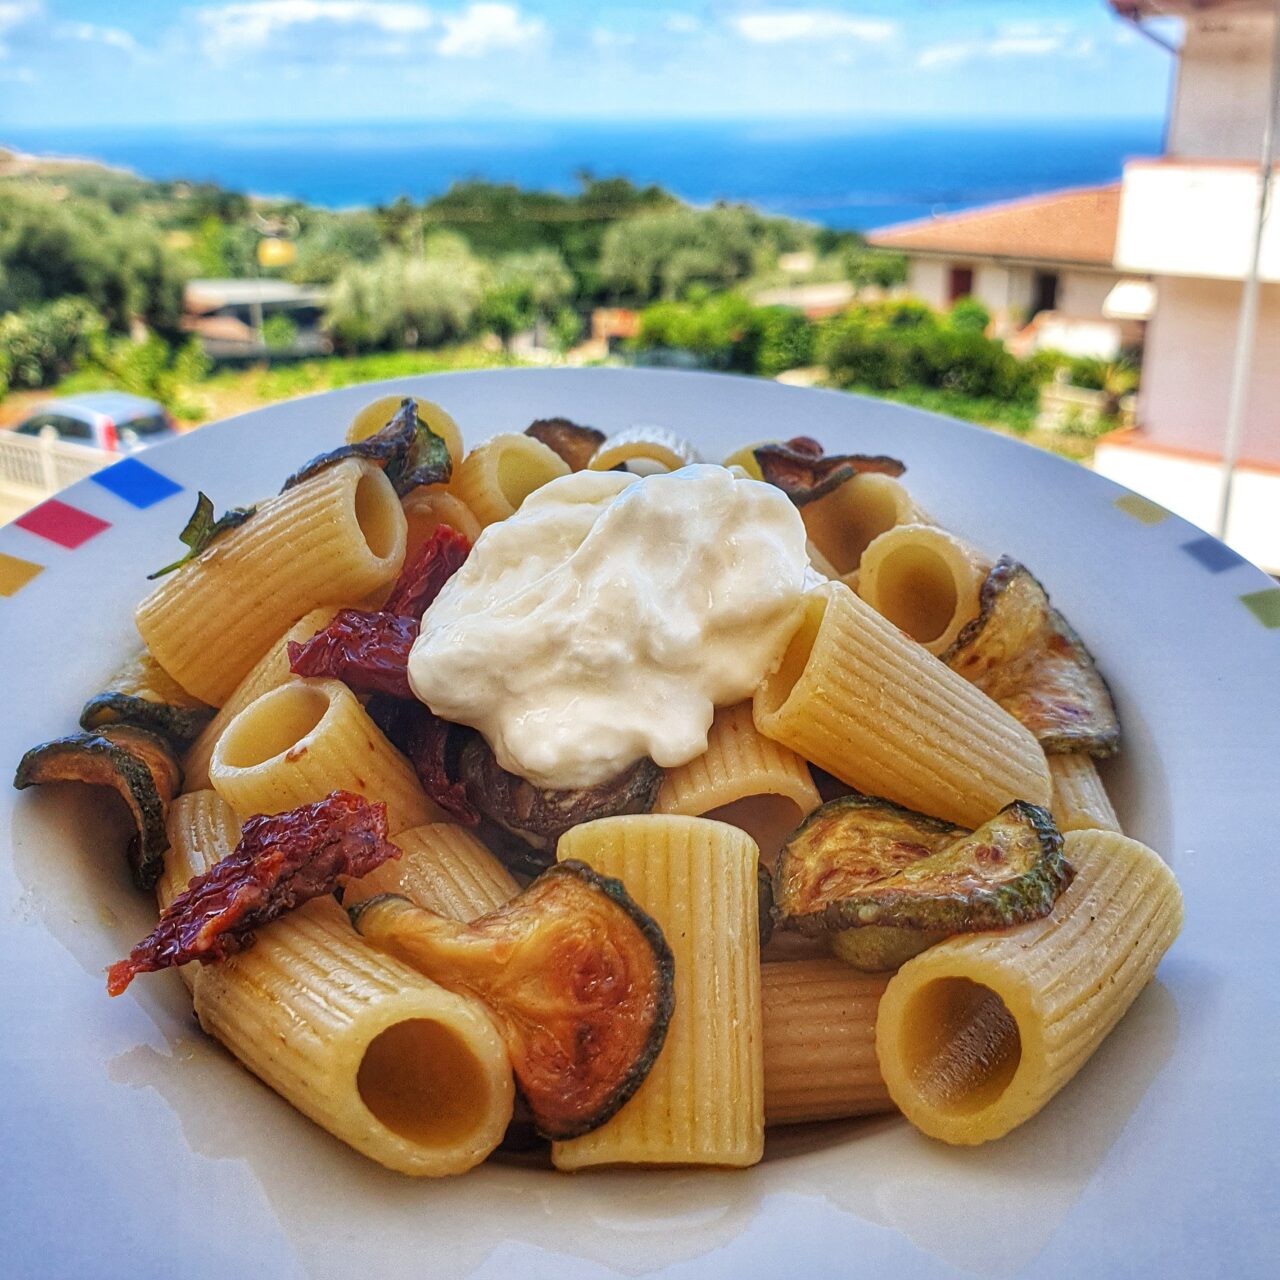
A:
1130	300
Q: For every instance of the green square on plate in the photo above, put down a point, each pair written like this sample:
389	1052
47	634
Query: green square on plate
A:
1264	605
1142	509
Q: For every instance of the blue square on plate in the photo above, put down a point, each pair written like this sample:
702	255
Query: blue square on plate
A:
1214	555
136	483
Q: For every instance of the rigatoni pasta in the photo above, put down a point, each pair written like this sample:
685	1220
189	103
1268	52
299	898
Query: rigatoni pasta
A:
924	580
703	1101
843	523
979	1032
409	1074
338	536
443	867
497	476
862	701
819	1019
744	779
1080	801
269	672
297	743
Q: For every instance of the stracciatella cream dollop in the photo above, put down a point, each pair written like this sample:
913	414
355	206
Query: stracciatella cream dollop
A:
609	617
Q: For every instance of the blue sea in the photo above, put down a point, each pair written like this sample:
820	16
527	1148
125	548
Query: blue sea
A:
837	174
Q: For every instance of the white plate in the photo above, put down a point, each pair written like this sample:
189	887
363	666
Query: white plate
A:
133	1147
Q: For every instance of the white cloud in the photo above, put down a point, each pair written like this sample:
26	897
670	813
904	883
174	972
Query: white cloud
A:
1021	40
253	25
481	28
14	14
791	25
94	34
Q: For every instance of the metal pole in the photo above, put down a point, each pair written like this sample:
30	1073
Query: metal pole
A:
1246	329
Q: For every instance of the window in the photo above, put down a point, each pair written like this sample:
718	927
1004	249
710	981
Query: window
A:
1044	292
67	428
152	425
959	283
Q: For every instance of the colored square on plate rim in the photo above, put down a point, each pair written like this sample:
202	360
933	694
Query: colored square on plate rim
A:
138	484
16	573
58	522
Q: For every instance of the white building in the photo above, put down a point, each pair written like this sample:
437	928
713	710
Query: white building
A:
1189	219
1043	267
1069	270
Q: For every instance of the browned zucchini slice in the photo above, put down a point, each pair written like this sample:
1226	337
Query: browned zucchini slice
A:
539	818
843	846
138	765
406	449
1022	652
579	981
574	443
805	474
888	882
143	694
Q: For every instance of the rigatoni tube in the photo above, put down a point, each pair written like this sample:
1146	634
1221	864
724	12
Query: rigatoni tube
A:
305	739
819	1019
979	1032
703	1101
744	779
409	1074
442	867
1080	801
336	537
269	672
497	476
869	705
844	522
924	580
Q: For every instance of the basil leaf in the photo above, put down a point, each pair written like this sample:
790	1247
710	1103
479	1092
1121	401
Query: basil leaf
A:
202	529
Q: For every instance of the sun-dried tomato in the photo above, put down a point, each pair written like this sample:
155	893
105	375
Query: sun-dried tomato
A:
428	742
369	652
281	862
434	563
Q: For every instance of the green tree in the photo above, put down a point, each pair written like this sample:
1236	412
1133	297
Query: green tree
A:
40	344
401	300
52	249
525	288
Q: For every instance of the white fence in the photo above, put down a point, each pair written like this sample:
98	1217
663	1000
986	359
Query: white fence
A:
32	469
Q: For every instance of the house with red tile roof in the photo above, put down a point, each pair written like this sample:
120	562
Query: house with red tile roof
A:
1044	267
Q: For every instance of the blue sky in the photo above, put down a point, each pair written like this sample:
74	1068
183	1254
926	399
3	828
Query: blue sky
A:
90	62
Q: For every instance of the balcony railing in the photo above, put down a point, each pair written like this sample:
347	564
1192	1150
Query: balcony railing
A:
32	469
1183	217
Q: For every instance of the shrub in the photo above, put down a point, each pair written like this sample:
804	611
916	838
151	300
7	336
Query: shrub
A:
784	340
279	332
969	316
40	344
151	368
889	347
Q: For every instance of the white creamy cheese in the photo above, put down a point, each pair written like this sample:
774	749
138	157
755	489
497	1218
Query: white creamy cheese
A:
609	617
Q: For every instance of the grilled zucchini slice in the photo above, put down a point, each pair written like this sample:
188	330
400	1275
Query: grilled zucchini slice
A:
1023	653
139	766
886	882
143	694
574	443
578	979
538	818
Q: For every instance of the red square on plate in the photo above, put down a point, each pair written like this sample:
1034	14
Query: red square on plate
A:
57	522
